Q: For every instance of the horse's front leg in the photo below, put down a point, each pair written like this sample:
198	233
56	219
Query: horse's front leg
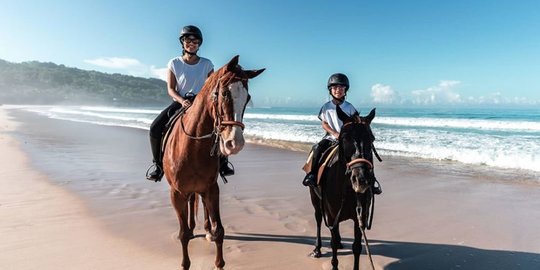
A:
357	244
179	202
316	253
335	246
211	199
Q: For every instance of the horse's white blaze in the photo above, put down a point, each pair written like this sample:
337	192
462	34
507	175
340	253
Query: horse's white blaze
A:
232	142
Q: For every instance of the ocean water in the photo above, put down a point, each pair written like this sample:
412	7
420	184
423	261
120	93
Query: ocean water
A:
501	138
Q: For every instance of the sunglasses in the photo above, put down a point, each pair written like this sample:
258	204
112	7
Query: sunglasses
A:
190	40
338	86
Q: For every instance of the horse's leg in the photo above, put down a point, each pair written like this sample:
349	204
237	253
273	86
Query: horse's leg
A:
338	234
357	245
335	246
192	214
207	225
316	253
211	199
179	203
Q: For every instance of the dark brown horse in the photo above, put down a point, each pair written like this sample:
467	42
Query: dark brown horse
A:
346	186
212	126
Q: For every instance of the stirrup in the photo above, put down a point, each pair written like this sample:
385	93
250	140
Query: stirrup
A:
225	170
151	177
310	180
376	188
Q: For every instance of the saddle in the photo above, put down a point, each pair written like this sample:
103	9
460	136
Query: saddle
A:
328	158
169	126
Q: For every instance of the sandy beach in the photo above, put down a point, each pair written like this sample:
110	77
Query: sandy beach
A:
73	196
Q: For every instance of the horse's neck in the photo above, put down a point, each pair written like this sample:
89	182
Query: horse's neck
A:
198	120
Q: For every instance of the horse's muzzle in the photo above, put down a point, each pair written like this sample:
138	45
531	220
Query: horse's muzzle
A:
232	142
359	182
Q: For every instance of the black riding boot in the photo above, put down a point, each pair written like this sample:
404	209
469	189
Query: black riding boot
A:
224	169
311	177
157	173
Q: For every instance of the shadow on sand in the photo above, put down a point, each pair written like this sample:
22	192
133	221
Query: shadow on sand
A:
418	255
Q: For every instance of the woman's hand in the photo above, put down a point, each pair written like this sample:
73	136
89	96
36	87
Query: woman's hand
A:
186	103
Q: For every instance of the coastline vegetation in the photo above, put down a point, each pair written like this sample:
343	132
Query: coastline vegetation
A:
49	83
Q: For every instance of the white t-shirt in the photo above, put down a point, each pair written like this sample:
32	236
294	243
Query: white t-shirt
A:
190	78
328	114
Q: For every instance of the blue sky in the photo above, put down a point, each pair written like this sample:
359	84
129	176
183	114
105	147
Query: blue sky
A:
416	52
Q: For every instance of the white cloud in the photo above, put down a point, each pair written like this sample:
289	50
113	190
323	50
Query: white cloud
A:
159	72
384	94
442	93
129	66
114	62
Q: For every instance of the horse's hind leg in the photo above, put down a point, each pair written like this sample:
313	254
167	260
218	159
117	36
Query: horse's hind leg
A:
207	225
211	199
338	237
192	214
179	203
357	245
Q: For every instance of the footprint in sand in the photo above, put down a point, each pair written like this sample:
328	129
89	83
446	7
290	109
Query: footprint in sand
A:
295	224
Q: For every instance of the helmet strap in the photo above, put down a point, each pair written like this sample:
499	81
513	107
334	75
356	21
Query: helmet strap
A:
340	100
186	52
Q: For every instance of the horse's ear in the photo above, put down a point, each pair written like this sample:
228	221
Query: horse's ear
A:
370	116
254	73
233	63
343	116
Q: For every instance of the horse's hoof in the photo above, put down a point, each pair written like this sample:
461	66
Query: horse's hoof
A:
315	254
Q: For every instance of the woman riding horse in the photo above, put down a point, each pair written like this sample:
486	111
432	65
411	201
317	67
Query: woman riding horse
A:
210	128
185	78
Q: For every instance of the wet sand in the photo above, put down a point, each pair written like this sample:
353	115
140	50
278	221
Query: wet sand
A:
73	196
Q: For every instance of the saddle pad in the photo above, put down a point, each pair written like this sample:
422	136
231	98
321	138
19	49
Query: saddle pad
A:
329	158
169	126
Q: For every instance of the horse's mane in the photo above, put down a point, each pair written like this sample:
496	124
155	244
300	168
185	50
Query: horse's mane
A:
213	80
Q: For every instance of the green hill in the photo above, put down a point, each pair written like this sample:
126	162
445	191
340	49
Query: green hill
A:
49	83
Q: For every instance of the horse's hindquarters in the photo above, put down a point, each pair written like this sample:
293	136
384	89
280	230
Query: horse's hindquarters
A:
232	141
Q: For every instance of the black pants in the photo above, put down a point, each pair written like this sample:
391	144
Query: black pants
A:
158	126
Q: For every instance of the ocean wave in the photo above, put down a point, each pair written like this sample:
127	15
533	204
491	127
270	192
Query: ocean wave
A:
120	110
288	117
479	124
500	143
57	112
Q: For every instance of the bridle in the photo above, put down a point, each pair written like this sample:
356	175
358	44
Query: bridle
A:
219	123
351	164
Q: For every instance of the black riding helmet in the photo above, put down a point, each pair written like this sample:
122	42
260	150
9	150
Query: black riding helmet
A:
191	30
338	79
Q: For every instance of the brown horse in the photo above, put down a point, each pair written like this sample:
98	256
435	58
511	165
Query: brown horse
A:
346	186
212	126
